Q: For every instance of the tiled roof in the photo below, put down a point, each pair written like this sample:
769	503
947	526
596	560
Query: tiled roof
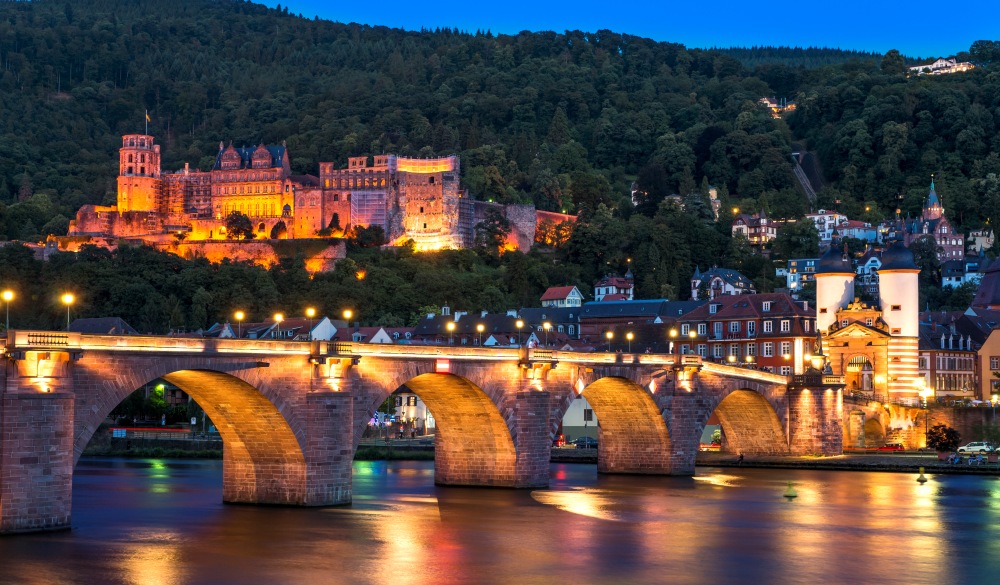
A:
556	293
102	326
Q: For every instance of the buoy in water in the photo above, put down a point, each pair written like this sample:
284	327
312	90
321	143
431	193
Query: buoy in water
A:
921	478
790	491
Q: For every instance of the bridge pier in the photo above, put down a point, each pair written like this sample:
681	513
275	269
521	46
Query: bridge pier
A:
329	450
815	415
36	460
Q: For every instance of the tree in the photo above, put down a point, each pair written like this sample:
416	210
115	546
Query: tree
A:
943	438
893	63
492	231
372	236
239	227
279	230
797	239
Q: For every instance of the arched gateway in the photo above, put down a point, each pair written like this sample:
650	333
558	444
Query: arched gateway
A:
291	414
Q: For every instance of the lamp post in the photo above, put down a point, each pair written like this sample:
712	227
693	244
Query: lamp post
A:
519	323
347	317
692	335
480	328
673	342
993	401
68	300
451	332
310	312
240	315
610	335
8	296
278	318
546	326
629	337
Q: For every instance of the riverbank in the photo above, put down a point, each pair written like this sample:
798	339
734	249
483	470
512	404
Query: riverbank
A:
895	462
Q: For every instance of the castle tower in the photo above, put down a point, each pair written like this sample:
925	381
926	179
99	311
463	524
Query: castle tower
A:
900	310
138	173
834	286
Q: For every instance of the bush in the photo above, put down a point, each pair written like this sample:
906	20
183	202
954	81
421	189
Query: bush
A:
943	438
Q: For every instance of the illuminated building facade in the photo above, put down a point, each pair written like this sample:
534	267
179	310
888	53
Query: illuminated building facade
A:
411	199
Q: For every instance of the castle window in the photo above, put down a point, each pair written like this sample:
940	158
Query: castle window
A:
142	158
326	183
425	226
430	181
822	311
130	158
896	308
336	196
131	170
142	170
348	196
896	332
421	210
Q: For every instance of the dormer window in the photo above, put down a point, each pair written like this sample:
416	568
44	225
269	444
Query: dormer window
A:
766	306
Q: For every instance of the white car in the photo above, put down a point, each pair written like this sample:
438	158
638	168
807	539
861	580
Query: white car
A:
976	447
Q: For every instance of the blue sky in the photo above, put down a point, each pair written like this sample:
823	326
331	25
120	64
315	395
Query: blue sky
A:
916	28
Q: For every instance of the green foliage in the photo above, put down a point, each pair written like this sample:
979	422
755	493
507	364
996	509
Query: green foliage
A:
797	239
239	226
492	231
943	438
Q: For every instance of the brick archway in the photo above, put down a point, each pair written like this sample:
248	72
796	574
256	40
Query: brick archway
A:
473	445
632	435
262	460
750	424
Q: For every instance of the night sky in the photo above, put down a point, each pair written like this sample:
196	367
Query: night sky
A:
918	28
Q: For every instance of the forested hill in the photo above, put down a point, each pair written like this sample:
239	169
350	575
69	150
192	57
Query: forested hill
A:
809	58
566	121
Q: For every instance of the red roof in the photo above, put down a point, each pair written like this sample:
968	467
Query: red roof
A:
556	293
614	297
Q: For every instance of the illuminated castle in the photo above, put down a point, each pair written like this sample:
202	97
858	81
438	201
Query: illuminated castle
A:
412	199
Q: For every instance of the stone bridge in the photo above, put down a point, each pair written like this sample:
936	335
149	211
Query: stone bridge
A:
291	414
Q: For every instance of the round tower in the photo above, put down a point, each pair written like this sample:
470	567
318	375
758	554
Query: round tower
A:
138	173
897	291
834	286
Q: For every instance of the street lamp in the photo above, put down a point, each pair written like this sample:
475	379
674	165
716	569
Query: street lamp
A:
993	401
519	323
240	315
610	335
692	335
673	344
480	328
278	318
546	326
68	300
629	337
310	312
8	296
451	332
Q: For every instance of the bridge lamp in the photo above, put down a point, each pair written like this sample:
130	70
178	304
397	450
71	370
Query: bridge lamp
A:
546	326
239	315
629	337
519	323
749	359
347	316
311	313
278	318
673	336
731	358
68	300
610	335
480	328
450	326
8	296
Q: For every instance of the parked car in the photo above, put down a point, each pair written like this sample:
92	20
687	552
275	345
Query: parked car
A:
585	443
559	441
892	447
976	447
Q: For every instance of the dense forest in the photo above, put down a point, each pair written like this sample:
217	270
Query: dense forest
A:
576	121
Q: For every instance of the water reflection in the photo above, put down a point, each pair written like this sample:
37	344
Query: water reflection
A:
162	522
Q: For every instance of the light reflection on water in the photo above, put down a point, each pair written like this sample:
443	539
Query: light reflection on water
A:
161	522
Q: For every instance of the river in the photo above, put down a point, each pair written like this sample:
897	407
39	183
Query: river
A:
162	522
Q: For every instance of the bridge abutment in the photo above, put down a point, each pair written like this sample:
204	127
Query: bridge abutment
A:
815	420
36	461
329	448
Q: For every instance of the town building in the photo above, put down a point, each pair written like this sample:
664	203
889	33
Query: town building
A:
866	273
942	67
615	288
562	321
979	241
826	222
958	272
771	332
418	200
619	318
717	282
874	346
562	296
758	229
948	360
859	230
933	223
798	272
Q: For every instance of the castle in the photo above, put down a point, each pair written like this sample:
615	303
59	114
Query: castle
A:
411	199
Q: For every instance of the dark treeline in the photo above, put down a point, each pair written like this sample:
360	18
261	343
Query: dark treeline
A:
808	58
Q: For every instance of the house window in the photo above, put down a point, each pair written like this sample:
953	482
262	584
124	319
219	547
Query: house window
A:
702	350
786	348
767	306
570	330
805	324
588	415
685	329
717	350
768	326
786	325
767	350
734	326
712	308
786	370
751	349
718	328
399	401
751	327
995	362
702	329
734	349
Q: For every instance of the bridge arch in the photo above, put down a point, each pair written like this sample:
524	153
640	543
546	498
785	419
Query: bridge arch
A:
750	424
632	435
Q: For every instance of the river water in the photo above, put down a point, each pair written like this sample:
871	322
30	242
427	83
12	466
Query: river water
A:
162	522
